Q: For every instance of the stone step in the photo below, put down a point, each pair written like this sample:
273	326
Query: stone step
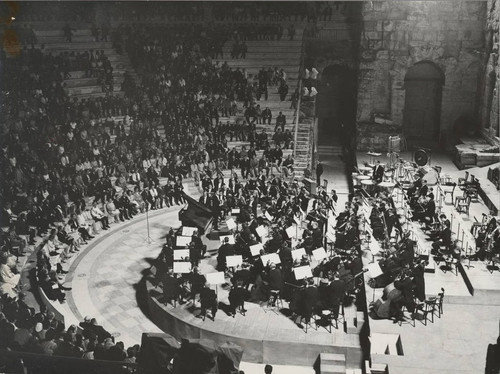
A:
89	89
115	57
66	46
266	53
283	43
333	369
286	65
62	39
88	82
354	371
83	90
80	82
332	358
96	94
77	31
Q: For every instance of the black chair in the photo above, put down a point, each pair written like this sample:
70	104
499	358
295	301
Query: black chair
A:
328	316
274	302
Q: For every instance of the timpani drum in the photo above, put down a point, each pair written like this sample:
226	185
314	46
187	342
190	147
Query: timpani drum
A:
387	186
430	175
365	169
368	185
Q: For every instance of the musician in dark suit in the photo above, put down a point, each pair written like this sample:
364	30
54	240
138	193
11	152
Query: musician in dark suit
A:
171	287
204	198
194	254
237	296
214	205
243	275
309	300
428	212
197	281
317	235
444	238
378	172
198	243
225	250
208	299
336	292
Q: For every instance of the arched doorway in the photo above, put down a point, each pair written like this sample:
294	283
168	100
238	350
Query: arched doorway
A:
336	105
422	110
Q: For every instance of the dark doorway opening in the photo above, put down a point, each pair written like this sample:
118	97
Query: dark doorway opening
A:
336	106
422	111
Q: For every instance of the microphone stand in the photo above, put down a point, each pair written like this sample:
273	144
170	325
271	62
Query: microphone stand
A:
148	240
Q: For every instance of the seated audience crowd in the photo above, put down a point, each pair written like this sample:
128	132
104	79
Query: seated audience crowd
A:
68	169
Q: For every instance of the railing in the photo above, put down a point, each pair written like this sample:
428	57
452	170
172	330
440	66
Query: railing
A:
41	364
299	100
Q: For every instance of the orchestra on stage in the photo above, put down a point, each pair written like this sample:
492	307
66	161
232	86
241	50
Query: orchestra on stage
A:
281	243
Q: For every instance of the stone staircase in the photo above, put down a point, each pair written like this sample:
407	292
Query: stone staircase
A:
79	85
284	54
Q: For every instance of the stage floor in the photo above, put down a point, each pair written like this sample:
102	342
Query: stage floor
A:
106	277
456	342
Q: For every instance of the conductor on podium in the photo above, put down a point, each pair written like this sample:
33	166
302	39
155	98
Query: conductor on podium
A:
378	172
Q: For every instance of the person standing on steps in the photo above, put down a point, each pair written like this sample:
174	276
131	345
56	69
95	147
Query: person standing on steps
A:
319	172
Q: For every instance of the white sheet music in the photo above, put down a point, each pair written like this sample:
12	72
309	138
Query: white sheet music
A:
302	272
255	249
215	278
180	254
235	211
319	254
182	241
375	247
182	267
272	258
188	231
233	261
291	232
231	224
298	253
261	231
374	269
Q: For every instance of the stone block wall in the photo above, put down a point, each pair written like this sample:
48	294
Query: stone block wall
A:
490	80
397	34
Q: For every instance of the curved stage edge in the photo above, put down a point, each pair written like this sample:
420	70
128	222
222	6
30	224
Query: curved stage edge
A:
270	344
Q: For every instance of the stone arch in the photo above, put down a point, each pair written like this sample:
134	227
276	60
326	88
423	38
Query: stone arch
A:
423	84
